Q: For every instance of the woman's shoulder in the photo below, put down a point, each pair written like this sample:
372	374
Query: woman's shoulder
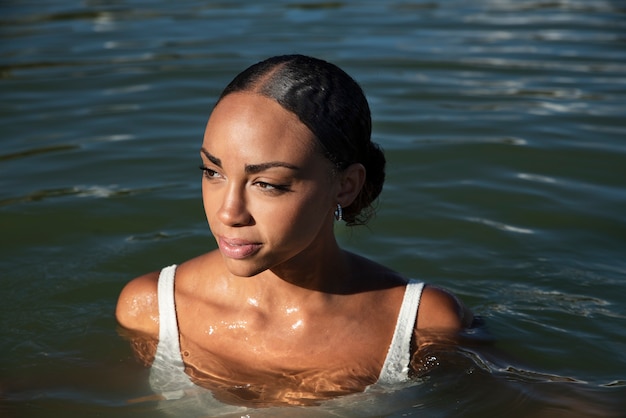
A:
441	310
137	306
438	309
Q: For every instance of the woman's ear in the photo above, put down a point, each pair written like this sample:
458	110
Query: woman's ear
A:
351	182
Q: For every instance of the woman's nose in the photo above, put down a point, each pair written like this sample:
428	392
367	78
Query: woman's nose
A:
234	211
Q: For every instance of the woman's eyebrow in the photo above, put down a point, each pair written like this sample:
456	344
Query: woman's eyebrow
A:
257	168
211	157
251	168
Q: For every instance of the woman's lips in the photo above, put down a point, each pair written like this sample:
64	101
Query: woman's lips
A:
237	248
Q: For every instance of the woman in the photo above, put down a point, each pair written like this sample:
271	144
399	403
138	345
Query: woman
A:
279	313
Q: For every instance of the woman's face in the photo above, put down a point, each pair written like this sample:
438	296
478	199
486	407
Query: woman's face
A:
268	192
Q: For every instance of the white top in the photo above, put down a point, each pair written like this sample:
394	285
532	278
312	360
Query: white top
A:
167	374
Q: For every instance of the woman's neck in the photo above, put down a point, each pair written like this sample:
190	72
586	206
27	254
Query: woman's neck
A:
324	268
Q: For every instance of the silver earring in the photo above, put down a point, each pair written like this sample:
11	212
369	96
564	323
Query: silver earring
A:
339	212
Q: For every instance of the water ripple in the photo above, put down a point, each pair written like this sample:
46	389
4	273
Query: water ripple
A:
95	191
502	226
37	151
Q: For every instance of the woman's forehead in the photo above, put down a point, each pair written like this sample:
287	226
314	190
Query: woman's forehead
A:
258	129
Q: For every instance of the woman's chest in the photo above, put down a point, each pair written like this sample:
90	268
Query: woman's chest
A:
281	362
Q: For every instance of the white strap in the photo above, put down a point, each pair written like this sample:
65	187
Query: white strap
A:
167	374
396	366
168	325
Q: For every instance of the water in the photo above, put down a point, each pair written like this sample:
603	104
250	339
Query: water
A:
504	127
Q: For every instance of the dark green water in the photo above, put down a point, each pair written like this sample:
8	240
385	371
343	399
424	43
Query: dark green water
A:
504	124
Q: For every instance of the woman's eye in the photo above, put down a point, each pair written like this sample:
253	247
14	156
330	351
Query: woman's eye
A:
275	188
208	173
267	186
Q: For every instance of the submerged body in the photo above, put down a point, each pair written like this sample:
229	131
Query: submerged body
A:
284	383
279	305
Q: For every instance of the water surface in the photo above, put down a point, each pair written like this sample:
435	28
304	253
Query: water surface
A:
503	123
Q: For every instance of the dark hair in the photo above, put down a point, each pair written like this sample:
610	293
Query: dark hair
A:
333	106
